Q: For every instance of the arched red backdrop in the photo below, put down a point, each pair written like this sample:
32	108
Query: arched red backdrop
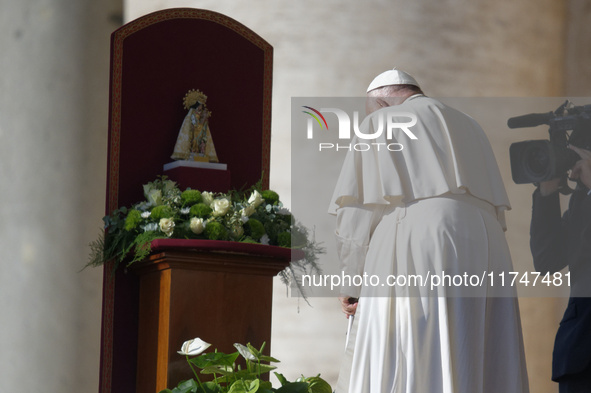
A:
155	60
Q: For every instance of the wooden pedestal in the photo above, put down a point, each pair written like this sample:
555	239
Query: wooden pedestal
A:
221	297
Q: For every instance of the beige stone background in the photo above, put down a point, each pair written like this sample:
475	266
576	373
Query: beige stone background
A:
53	135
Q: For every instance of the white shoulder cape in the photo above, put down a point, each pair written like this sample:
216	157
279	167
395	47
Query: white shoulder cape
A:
450	155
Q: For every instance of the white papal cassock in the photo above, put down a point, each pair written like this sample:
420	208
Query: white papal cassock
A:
434	210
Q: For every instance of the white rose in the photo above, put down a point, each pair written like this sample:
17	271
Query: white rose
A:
207	198
167	226
247	211
220	207
168	185
194	347
147	188
255	199
197	225
154	197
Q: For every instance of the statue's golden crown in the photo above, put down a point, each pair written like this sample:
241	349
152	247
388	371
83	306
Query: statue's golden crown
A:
192	97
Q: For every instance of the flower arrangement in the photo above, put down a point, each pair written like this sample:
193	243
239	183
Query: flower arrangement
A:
252	216
231	378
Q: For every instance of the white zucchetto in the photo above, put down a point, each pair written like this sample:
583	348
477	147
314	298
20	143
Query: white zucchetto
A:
392	77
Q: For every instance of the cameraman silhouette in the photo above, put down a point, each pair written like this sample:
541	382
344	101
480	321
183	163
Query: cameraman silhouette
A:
557	242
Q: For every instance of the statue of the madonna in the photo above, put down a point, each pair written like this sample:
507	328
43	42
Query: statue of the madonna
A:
194	142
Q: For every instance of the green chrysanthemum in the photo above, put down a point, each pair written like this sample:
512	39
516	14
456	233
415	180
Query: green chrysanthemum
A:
255	228
216	231
191	197
271	197
286	218
284	239
162	211
200	210
132	220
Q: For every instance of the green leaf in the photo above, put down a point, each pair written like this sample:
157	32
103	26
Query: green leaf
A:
264	368
256	352
240	374
237	387
318	385
265	358
218	369
282	379
189	386
211	387
294	387
254	386
214	359
243	386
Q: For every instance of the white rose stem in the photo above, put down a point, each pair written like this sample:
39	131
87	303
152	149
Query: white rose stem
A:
350	325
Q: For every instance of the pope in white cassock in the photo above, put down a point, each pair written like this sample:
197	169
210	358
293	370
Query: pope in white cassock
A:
431	210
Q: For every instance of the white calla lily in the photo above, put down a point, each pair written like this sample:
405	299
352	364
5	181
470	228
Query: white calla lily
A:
194	347
245	352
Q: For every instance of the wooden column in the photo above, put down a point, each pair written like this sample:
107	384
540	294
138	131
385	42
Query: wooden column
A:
222	297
